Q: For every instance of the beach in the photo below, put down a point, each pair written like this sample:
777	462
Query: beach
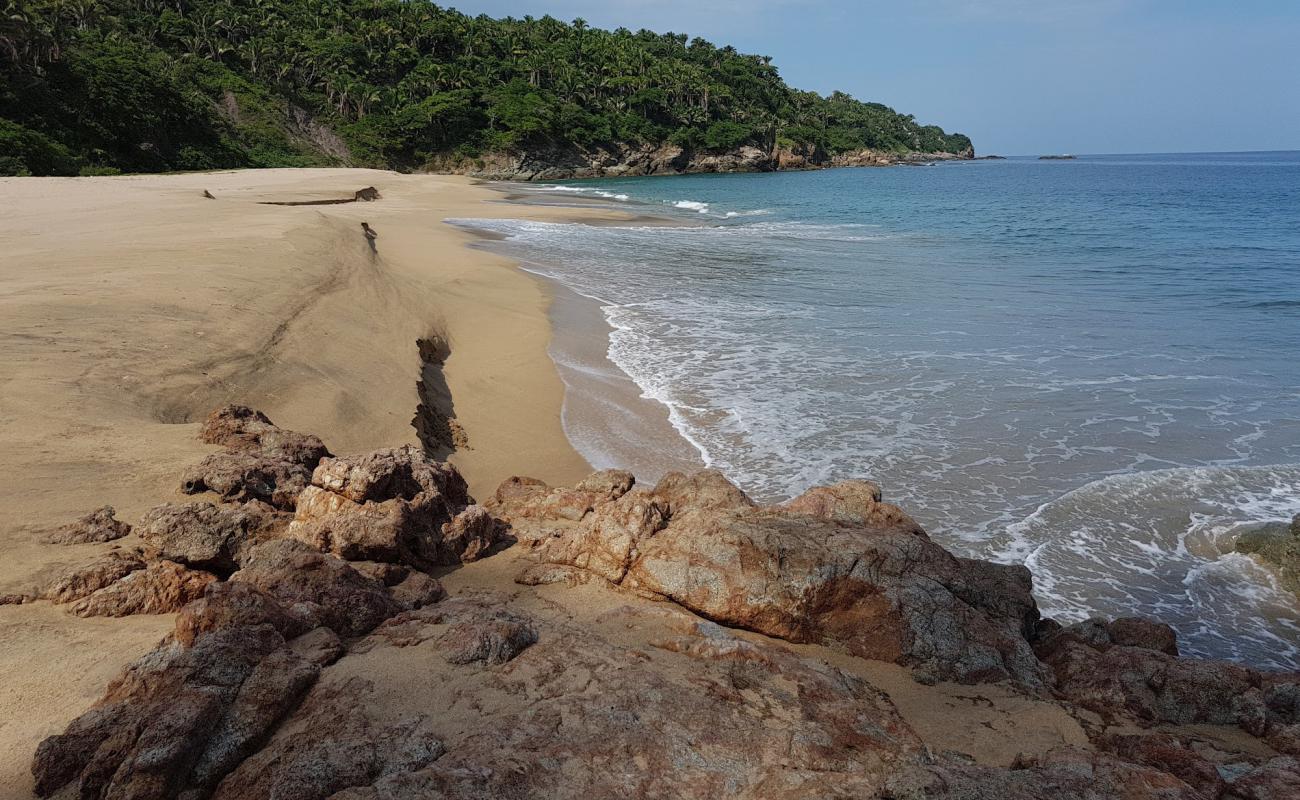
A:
133	306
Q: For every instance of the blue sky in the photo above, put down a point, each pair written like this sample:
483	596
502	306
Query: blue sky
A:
1020	77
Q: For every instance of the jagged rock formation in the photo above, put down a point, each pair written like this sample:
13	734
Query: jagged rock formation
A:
320	660
261	461
393	506
833	566
100	525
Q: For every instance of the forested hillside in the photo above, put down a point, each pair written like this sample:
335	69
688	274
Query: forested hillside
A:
93	86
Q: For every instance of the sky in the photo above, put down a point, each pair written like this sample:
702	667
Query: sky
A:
1020	77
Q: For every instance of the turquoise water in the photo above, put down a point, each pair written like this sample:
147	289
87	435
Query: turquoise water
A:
1087	366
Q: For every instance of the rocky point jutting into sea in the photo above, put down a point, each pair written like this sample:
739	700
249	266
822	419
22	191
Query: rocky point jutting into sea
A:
627	160
358	627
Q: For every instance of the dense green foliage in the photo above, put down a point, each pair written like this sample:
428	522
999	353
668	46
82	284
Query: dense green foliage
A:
149	85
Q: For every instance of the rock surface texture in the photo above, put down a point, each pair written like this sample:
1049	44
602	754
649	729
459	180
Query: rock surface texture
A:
834	566
679	641
100	525
261	461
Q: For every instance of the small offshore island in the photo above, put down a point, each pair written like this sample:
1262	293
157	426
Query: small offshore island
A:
292	512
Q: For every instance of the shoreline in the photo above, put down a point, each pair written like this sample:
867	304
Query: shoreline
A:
606	415
135	305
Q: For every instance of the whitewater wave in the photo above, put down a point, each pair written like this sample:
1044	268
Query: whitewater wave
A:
583	190
1160	543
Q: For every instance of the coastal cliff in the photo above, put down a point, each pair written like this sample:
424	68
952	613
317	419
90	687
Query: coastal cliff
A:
358	627
669	159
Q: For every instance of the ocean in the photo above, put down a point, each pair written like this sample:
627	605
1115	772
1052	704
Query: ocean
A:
1091	367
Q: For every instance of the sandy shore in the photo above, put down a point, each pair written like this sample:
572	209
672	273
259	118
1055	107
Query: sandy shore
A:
132	306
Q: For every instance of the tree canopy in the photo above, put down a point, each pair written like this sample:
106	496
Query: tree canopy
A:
151	85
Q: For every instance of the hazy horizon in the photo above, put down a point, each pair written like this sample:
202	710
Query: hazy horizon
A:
1020	77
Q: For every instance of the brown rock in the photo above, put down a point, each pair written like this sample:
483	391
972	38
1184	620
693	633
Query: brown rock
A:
261	462
239	428
330	744
851	503
1285	739
239	477
472	534
293	573
99	525
703	714
387	574
234	604
1112	679
85	580
385	474
392	506
1139	632
1167	754
176	716
609	484
1063	774
202	535
491	641
808	573
1277	779
418	590
162	587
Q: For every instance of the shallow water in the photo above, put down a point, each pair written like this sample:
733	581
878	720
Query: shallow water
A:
1086	366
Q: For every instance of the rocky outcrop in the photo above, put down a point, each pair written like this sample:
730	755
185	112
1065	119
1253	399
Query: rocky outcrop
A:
100	525
626	160
340	670
163	587
84	580
834	566
178	719
204	535
1130	668
1278	545
317	584
393	506
261	461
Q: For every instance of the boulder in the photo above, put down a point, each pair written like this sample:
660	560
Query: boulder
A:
233	604
395	506
203	535
85	580
240	477
177	717
834	566
470	535
293	573
1097	672
239	428
1278	545
418	590
100	525
163	587
261	461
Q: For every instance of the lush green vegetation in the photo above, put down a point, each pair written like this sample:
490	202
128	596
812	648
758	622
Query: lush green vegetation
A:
150	85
